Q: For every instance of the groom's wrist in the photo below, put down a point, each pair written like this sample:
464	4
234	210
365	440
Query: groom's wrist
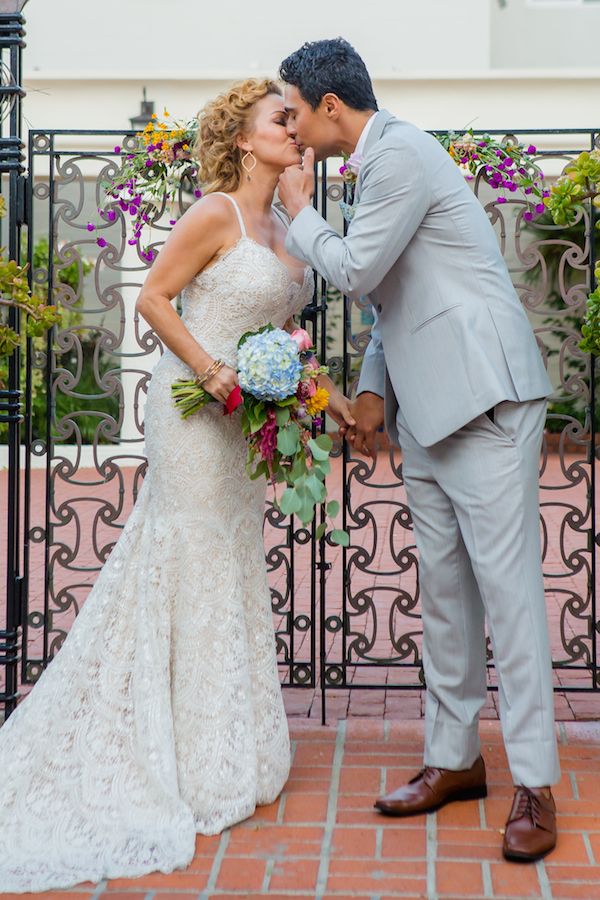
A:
297	205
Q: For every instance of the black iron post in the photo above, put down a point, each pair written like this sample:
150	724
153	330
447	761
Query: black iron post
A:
12	189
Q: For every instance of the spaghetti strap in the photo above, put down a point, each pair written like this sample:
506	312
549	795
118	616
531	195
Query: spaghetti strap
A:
237	210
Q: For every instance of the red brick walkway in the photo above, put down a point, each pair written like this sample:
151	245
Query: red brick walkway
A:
322	838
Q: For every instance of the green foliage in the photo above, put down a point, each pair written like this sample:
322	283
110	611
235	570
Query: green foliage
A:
579	185
590	329
69	276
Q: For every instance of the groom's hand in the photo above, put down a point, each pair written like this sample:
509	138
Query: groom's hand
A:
297	184
368	412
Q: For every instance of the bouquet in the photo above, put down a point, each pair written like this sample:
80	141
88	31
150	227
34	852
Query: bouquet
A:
150	176
280	400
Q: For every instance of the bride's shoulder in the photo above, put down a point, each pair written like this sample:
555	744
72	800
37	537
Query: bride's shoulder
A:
213	210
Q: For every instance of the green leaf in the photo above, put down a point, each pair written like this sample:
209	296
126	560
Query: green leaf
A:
290	502
306	512
316	488
288	439
261	469
257	416
320	531
322	467
340	537
324	442
282	416
317	451
333	508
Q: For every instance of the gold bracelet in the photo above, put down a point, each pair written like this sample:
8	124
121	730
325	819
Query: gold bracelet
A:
205	376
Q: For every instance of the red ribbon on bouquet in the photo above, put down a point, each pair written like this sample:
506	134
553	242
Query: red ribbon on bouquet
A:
234	400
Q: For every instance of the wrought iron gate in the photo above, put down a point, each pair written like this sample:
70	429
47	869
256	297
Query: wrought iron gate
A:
344	619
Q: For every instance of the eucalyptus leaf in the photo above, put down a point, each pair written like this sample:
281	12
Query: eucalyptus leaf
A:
288	439
282	416
290	502
340	537
320	531
317	451
333	508
316	488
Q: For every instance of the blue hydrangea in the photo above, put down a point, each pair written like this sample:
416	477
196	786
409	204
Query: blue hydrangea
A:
269	365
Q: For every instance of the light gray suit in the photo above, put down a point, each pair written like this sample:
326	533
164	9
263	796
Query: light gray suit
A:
450	342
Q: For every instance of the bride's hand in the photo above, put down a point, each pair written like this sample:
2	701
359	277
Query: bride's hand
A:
221	384
340	410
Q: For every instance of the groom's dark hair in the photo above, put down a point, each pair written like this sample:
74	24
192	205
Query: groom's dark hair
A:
329	67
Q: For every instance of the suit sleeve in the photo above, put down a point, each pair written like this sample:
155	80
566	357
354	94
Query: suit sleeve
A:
393	202
372	371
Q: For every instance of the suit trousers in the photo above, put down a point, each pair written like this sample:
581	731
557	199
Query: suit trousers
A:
474	499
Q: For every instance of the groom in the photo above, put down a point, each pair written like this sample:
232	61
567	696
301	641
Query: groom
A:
454	371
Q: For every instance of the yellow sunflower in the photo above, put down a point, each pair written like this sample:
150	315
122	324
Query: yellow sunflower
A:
318	402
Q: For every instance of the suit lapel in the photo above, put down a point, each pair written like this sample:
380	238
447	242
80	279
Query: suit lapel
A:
381	120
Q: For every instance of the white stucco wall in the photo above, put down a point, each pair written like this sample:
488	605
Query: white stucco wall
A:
220	39
544	33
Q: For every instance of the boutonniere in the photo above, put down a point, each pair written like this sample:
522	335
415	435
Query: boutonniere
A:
349	172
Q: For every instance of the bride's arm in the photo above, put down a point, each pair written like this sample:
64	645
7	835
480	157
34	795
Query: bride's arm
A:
201	234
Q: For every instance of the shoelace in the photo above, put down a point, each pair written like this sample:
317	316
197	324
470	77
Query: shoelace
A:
528	805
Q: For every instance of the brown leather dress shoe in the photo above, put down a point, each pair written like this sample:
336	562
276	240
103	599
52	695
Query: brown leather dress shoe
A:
432	788
531	826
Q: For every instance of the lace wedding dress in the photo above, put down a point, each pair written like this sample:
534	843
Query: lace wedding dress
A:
162	714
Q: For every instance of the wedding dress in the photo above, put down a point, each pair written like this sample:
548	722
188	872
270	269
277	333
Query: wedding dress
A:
162	715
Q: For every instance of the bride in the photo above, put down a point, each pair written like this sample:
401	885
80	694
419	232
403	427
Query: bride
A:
162	714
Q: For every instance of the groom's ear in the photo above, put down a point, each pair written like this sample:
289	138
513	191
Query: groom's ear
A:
331	105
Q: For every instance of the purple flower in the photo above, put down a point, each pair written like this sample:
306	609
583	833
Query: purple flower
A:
501	166
540	208
197	193
499	153
150	148
117	149
101	242
545	193
124	205
528	216
531	149
132	210
91	227
172	221
149	163
528	190
111	215
501	200
481	144
132	241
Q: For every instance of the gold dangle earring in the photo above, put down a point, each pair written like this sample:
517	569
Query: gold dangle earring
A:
249	167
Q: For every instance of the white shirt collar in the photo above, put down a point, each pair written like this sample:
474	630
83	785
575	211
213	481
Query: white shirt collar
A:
360	147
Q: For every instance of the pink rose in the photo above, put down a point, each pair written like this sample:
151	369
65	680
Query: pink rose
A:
354	162
302	338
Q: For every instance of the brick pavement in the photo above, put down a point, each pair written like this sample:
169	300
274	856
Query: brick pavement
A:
322	838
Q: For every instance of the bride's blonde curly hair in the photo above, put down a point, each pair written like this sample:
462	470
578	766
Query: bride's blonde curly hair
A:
220	122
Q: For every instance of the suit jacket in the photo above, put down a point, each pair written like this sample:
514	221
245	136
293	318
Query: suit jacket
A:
451	338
